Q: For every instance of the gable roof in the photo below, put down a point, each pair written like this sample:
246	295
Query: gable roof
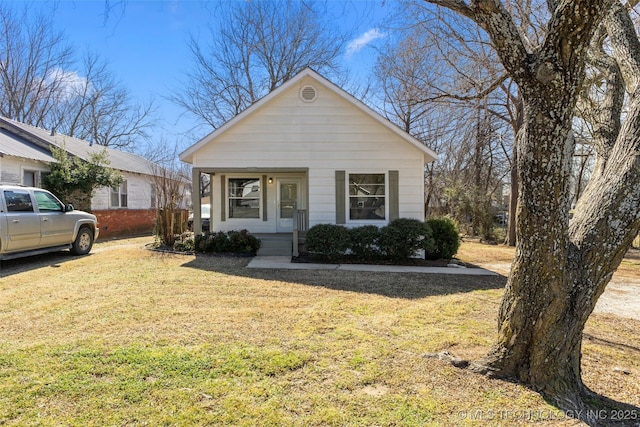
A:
35	143
428	154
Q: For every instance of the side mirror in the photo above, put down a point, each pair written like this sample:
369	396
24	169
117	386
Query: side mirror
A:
68	208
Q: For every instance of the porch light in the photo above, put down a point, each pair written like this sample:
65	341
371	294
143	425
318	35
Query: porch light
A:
270	180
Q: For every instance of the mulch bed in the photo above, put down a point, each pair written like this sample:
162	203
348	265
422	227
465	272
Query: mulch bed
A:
308	258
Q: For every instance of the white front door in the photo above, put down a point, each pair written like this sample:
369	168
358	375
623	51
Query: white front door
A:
289	196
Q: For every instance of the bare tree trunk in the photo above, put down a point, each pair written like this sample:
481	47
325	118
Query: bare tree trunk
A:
559	270
513	202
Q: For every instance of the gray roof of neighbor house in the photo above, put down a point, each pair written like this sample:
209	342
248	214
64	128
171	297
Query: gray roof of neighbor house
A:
23	149
30	142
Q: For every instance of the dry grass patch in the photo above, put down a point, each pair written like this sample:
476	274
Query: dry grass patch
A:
474	252
130	337
484	254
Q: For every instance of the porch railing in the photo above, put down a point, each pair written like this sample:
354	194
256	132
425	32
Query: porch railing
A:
300	225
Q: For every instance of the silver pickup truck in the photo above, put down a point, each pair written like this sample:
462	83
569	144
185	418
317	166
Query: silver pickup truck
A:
34	221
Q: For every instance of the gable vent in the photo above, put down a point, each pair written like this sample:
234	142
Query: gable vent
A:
308	94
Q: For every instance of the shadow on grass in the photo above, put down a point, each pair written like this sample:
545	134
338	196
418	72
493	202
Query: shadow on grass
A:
596	410
612	344
393	285
34	262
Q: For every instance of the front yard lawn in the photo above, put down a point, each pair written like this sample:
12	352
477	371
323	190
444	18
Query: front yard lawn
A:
126	336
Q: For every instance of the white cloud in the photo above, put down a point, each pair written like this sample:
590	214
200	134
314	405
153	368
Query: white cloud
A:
69	83
361	42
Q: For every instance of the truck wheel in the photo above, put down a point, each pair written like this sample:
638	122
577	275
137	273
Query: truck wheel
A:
83	243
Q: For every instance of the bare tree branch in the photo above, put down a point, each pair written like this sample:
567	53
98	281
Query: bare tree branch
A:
259	46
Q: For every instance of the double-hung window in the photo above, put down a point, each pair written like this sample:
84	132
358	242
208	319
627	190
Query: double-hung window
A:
154	196
119	195
367	196
244	197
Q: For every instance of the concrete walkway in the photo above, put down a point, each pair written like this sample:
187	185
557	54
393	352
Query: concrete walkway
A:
284	263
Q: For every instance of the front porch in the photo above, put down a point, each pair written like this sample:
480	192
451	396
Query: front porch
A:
285	244
262	201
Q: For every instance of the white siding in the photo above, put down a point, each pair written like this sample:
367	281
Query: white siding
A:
326	135
138	193
138	186
12	169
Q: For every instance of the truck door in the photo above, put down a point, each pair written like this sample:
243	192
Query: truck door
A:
56	227
23	225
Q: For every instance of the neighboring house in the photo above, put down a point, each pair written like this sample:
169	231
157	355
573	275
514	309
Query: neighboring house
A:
124	210
309	146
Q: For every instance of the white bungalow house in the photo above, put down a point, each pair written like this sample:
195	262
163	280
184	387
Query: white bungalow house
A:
308	147
25	156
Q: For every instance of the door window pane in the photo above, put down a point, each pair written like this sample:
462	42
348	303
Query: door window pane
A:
288	197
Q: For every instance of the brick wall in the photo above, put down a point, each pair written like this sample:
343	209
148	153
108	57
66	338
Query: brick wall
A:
125	222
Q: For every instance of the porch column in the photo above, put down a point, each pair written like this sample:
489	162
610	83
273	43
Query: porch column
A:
196	200
211	174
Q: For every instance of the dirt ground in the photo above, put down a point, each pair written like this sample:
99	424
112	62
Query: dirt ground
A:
621	297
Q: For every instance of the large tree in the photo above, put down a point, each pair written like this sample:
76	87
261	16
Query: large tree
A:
446	68
32	56
98	108
43	83
563	265
255	48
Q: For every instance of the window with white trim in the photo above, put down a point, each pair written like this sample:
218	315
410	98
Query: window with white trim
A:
119	195
244	197
367	196
154	197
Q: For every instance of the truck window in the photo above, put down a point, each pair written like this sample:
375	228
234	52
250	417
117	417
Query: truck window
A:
18	201
47	202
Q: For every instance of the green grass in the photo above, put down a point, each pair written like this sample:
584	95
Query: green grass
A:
130	337
90	384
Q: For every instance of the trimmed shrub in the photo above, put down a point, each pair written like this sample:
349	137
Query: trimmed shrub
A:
237	242
328	241
446	237
403	238
364	242
242	242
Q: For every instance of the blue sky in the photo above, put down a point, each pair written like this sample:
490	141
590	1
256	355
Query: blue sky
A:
145	44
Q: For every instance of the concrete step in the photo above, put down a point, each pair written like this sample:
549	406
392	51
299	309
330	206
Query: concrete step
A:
275	244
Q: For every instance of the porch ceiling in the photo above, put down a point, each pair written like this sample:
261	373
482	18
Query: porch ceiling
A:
252	169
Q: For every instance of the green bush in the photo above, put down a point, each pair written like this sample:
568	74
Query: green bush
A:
238	242
403	238
446	237
242	242
328	241
364	242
